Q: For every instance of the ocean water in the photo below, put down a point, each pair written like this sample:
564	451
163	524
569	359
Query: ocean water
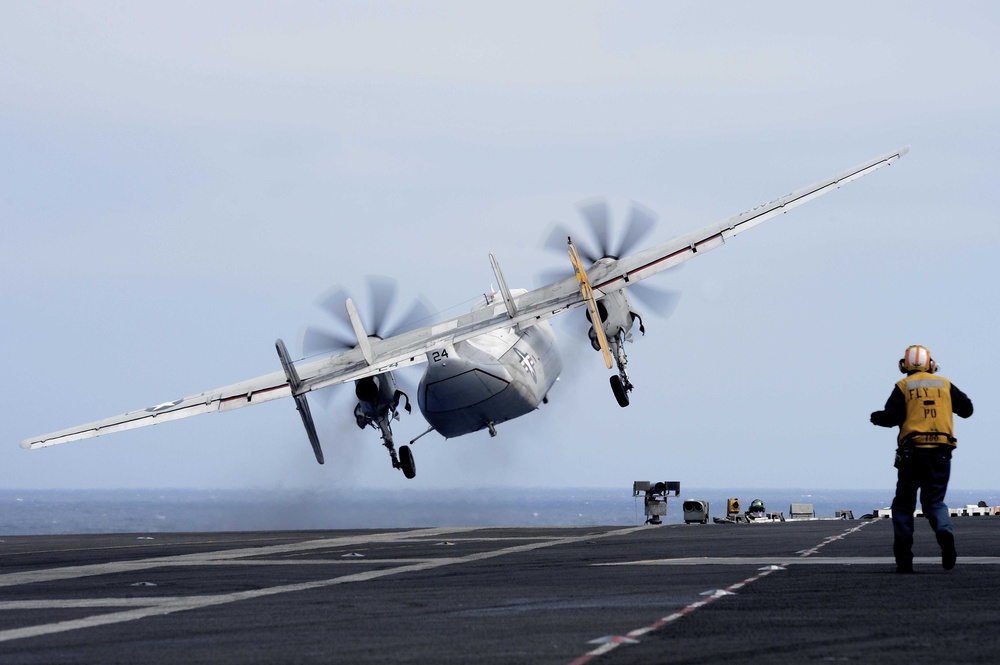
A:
40	512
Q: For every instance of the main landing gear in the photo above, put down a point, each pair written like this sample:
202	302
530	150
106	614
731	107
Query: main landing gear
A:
380	417
620	391
620	384
404	460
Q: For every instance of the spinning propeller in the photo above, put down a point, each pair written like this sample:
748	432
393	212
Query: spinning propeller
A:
602	244
378	396
614	309
379	321
597	214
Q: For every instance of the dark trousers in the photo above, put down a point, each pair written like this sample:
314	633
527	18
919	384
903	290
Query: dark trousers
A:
927	470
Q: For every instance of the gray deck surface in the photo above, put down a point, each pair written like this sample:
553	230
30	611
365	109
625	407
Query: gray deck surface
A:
793	592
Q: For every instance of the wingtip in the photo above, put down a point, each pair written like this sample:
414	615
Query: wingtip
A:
905	149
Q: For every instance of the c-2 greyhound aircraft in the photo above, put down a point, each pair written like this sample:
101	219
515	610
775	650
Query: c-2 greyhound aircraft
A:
488	366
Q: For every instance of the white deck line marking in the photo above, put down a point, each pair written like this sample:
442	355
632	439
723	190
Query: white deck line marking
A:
181	604
204	558
798	561
83	603
351	561
715	593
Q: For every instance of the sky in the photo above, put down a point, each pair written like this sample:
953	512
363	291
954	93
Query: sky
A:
180	183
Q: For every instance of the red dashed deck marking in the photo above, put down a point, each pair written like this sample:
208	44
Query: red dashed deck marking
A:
609	644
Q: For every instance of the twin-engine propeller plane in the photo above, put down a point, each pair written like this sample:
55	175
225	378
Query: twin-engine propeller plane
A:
493	364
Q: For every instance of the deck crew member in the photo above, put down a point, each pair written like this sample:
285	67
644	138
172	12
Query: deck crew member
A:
921	406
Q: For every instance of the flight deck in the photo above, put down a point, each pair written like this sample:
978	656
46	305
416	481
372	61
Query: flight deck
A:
782	592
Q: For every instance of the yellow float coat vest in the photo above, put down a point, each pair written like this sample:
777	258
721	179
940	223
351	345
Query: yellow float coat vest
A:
928	411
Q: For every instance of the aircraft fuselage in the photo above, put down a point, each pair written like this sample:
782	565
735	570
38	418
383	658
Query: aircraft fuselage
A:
481	382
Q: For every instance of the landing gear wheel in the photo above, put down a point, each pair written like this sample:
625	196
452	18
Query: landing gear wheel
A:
620	394
406	462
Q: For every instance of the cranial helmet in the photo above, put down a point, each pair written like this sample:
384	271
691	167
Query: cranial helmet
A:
917	359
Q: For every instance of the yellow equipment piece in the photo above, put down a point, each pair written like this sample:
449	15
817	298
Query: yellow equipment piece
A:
588	295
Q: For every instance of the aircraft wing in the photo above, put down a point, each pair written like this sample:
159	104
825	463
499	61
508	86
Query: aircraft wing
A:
412	347
657	259
389	354
256	391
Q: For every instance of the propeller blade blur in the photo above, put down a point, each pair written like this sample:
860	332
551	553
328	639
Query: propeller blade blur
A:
598	216
641	221
316	341
382	294
661	302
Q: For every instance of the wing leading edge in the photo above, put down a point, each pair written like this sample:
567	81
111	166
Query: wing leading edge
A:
647	263
411	347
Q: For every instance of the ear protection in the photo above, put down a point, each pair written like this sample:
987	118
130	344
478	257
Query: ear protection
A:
916	359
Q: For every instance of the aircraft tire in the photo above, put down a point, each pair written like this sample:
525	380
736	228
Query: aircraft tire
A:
619	390
406	462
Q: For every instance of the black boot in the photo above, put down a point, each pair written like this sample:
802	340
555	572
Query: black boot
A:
902	550
948	555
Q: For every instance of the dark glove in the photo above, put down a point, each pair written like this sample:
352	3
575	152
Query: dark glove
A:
880	418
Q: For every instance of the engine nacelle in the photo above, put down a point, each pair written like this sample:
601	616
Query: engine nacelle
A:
366	389
615	310
378	398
